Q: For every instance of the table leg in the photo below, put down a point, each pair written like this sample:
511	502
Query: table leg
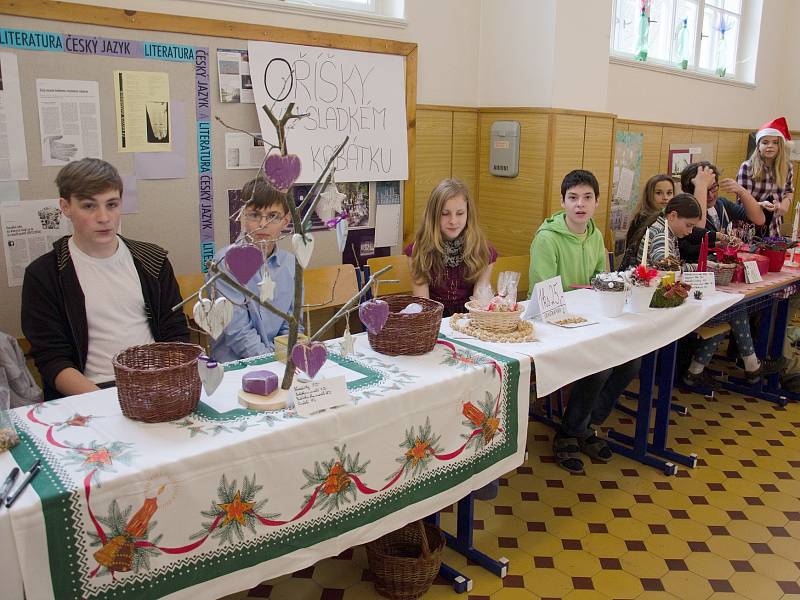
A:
769	338
638	447
462	543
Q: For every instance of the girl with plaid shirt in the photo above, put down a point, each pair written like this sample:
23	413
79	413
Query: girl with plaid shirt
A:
768	174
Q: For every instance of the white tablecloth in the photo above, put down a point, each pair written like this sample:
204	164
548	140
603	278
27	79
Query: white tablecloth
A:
227	497
563	355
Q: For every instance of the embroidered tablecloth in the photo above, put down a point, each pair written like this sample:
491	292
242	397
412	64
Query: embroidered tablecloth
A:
563	355
228	497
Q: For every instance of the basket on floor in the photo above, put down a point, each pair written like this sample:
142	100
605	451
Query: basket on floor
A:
495	321
723	272
158	382
408	334
405	562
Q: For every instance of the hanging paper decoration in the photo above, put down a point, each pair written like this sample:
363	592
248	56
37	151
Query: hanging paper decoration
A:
266	288
244	261
682	50
373	315
309	358
643	40
330	204
303	246
282	171
721	51
211	373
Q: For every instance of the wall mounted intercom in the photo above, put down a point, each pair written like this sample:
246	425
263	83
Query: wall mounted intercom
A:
504	150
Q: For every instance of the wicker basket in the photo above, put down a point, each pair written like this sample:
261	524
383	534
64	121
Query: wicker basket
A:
723	272
408	334
495	321
158	382
405	562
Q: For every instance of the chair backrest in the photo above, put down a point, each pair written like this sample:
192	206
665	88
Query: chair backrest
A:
319	291
188	285
520	264
400	270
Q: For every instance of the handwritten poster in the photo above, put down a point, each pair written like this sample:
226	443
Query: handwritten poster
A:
344	93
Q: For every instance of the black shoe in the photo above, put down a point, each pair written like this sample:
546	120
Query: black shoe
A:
701	380
769	366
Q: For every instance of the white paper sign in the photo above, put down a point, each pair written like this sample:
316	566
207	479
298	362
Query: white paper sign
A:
702	281
316	395
751	272
548	300
345	93
29	229
69	120
13	155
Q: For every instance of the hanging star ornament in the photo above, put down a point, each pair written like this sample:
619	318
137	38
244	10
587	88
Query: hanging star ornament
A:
330	202
348	343
266	288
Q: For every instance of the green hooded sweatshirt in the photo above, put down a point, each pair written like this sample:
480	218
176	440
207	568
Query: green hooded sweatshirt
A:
557	251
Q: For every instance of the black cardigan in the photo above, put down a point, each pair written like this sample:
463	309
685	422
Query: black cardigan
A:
54	309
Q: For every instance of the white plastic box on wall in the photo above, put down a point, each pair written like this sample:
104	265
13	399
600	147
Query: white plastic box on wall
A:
504	150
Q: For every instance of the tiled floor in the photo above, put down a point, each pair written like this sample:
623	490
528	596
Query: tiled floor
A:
728	529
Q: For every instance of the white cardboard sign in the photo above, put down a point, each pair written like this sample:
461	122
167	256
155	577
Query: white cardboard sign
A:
548	300
316	395
751	272
702	281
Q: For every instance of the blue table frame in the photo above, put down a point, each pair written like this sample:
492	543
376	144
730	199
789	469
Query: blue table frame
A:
461	542
769	342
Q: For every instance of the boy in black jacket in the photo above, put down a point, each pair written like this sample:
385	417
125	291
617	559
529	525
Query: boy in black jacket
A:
96	293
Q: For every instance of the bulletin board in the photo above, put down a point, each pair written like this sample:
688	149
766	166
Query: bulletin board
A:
188	216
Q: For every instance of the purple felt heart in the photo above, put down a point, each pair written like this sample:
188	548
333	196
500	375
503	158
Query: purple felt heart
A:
282	171
309	358
244	262
373	314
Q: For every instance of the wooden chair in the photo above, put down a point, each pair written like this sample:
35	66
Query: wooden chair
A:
520	264
188	285
400	271
322	298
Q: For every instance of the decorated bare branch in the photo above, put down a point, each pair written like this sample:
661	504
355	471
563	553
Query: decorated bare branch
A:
349	305
280	124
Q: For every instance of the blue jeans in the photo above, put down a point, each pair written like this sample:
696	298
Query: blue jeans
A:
740	328
594	397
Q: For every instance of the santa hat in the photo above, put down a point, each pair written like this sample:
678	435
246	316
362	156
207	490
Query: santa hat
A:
777	127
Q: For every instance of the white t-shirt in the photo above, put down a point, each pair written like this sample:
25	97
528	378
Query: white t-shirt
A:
115	311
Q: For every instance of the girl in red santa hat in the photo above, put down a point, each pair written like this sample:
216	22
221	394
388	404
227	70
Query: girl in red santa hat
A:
768	174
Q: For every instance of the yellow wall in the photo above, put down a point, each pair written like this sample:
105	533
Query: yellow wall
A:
453	141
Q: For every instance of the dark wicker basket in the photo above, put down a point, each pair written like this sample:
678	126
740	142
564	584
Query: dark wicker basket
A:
723	273
405	562
408	335
158	382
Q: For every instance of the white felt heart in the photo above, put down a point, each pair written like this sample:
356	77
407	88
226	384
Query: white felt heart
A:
303	248
200	314
219	316
211	373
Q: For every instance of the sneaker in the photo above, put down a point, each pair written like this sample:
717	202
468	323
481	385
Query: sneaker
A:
769	366
701	380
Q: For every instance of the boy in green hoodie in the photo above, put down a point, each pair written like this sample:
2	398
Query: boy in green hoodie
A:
568	244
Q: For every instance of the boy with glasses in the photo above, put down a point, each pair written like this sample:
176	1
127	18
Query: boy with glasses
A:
253	328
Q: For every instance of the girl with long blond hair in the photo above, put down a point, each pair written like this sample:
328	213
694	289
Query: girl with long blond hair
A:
768	174
450	254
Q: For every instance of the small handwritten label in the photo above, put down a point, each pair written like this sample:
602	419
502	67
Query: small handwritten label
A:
751	272
548	300
313	396
701	281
